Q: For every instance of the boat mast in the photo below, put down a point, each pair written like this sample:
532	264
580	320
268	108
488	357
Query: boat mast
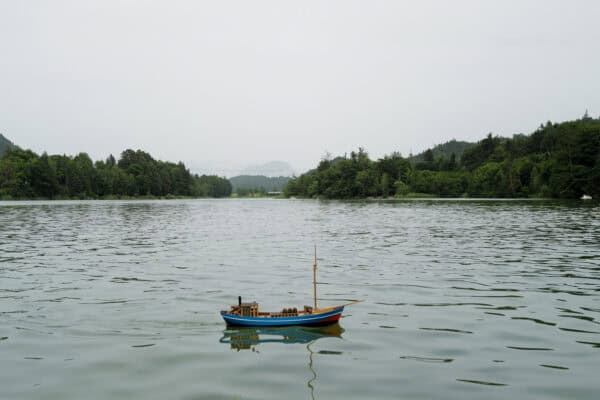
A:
315	279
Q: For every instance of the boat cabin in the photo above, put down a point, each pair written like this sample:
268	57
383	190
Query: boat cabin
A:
245	309
249	309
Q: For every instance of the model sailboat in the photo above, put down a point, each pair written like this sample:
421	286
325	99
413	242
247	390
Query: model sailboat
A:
248	314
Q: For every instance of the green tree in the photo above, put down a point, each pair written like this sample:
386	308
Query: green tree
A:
385	184
43	177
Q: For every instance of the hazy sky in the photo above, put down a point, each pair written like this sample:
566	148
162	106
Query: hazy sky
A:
223	84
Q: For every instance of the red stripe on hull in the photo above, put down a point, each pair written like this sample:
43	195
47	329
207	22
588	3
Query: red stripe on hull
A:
325	321
333	318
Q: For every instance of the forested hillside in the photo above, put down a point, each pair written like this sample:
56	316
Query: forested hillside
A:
444	150
560	160
25	174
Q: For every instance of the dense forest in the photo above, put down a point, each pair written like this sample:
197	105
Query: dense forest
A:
27	175
559	160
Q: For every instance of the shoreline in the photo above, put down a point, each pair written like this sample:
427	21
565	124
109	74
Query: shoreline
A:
355	200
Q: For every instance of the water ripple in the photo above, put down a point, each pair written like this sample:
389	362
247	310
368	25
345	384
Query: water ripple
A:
464	299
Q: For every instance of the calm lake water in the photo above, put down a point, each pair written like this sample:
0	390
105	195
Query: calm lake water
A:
462	299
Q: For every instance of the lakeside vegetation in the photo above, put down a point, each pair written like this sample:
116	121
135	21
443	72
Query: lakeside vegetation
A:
558	160
27	175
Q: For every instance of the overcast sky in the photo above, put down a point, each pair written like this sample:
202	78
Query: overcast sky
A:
223	84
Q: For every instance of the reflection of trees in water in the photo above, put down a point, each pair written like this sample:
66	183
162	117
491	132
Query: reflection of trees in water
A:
248	338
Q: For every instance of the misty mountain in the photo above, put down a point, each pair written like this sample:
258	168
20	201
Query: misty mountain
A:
258	182
270	169
5	145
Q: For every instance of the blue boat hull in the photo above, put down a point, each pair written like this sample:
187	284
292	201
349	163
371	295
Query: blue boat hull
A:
326	318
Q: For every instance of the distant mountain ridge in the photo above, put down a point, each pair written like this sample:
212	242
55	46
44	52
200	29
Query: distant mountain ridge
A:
269	169
5	145
258	183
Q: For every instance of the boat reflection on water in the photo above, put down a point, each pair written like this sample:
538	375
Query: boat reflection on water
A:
247	338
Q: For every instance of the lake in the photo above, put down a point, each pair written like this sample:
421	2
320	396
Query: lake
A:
462	299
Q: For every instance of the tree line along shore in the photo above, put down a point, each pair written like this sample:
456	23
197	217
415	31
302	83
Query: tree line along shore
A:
27	175
558	160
